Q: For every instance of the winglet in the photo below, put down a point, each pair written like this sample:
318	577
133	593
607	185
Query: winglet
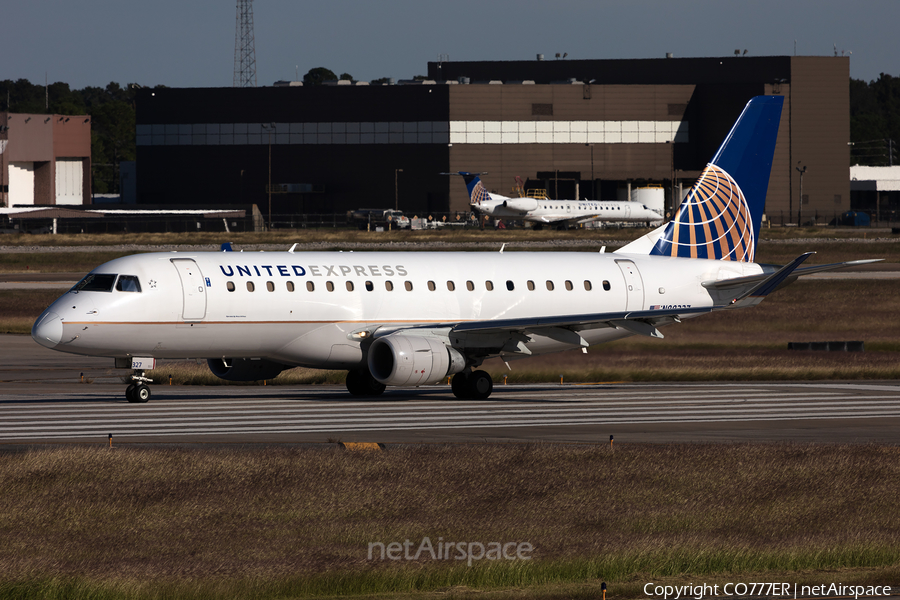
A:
226	247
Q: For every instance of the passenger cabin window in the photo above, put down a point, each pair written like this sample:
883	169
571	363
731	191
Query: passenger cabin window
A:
489	285
370	286
270	285
329	286
569	285
310	286
290	286
408	286
431	286
549	285
96	282
389	286
530	286
470	286
587	285
128	283
606	285
510	285
349	286
230	286
451	286
250	286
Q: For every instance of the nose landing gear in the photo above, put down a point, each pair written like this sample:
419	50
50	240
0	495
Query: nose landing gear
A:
137	391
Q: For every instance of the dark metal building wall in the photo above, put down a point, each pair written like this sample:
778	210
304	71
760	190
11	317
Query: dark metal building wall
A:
820	132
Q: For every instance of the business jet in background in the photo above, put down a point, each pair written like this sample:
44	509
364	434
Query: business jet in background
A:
558	213
415	318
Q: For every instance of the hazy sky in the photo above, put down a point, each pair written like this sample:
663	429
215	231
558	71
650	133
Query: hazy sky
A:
190	43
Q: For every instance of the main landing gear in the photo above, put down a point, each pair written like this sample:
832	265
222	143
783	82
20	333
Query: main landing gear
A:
137	391
472	385
361	383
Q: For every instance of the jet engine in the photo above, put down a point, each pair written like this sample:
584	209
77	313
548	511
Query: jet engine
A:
245	369
412	360
521	204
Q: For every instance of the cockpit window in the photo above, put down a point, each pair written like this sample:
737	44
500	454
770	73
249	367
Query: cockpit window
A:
128	283
95	282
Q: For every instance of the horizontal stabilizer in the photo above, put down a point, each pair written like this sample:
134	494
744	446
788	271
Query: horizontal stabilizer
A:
757	293
737	282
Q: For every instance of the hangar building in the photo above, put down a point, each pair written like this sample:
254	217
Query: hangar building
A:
585	128
45	159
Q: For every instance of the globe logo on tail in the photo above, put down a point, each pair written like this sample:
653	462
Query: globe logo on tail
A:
714	222
479	194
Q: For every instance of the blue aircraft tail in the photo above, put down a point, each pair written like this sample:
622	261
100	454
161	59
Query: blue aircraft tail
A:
721	215
477	192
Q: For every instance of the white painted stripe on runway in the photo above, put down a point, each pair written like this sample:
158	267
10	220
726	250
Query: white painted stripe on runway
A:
370	422
449	425
176	405
76	418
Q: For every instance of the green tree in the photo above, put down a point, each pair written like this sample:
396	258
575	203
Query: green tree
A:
875	121
318	76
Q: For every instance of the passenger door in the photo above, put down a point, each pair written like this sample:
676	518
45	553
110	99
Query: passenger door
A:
193	289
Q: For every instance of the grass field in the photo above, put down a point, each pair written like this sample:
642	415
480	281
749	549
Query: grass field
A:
292	523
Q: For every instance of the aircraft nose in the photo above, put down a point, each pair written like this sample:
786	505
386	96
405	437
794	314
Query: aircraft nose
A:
48	330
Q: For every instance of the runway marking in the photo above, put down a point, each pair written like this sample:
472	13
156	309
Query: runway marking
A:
310	410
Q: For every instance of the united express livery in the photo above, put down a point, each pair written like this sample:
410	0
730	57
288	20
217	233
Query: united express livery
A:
415	318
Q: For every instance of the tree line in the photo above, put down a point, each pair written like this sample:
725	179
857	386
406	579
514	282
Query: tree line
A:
874	118
875	121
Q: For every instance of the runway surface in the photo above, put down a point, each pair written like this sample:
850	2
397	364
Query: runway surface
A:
42	400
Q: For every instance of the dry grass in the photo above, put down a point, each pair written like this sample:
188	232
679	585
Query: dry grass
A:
292	522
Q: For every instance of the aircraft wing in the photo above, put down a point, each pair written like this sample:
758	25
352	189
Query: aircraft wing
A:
510	336
566	220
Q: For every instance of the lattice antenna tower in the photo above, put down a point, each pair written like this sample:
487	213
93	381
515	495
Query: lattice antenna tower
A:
244	46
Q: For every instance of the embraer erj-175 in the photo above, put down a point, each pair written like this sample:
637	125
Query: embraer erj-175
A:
543	211
415	318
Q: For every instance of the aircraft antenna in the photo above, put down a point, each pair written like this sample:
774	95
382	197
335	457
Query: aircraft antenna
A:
244	46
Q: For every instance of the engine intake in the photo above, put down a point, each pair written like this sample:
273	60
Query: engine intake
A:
245	369
412	360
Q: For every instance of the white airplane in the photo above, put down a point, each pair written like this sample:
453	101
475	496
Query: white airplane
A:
560	213
415	318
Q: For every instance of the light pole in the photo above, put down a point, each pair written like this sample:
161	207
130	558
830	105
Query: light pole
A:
269	127
396	190
800	203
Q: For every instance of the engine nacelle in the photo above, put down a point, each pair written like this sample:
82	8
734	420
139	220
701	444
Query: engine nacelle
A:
521	204
412	360
245	369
